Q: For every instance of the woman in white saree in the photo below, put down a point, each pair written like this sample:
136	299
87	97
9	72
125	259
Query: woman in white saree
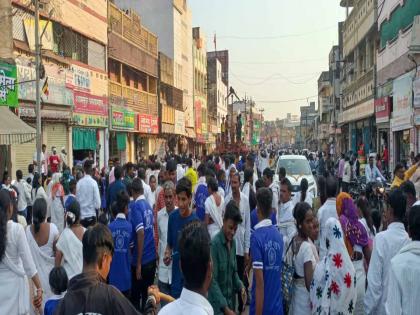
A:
16	264
42	237
214	208
57	202
69	246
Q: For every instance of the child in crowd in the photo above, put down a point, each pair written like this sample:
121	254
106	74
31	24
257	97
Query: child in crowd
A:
71	197
121	229
254	218
58	283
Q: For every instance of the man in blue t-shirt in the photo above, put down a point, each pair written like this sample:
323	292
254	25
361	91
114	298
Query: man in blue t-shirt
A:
115	187
266	253
144	252
201	193
177	220
122	234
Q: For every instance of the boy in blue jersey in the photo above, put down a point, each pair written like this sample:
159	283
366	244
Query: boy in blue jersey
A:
266	256
122	234
177	220
144	252
201	193
58	281
254	217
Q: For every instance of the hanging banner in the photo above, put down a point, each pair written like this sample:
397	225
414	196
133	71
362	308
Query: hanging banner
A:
382	109
47	37
122	118
402	95
148	124
179	122
416	91
8	86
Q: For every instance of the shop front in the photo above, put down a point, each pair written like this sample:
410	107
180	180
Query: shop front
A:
180	131
168	138
90	133
146	142
361	125
121	136
401	123
57	101
382	113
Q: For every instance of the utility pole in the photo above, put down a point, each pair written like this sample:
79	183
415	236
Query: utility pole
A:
38	96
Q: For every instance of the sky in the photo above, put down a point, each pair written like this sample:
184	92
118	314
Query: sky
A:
277	48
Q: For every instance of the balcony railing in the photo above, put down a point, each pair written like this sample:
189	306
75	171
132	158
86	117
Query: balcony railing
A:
139	101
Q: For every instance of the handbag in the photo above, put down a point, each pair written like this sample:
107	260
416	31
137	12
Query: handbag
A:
287	276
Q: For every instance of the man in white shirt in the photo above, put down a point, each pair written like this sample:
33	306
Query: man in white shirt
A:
165	272
147	190
386	245
263	158
194	251
403	282
180	169
87	193
328	210
372	172
44	162
285	220
24	193
268	176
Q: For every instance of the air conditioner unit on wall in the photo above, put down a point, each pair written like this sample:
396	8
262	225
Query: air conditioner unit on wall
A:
414	46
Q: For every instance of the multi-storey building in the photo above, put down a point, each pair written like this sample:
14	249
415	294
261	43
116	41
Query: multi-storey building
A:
216	91
171	21
398	55
325	109
133	81
358	79
307	116
74	101
170	99
200	90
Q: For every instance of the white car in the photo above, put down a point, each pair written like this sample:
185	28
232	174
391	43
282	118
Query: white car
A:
297	167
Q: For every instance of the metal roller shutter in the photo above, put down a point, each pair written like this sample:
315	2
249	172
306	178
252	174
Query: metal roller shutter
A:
23	157
56	135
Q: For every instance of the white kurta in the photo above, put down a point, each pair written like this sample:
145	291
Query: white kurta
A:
16	267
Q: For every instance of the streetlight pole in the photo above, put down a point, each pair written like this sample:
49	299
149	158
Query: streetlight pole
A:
37	88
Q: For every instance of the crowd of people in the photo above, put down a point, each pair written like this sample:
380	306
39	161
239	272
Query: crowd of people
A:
204	236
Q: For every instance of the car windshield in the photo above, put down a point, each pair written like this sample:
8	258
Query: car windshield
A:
295	166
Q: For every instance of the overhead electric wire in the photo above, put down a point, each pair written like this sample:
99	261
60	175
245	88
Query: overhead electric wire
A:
276	62
272	77
274	36
286	101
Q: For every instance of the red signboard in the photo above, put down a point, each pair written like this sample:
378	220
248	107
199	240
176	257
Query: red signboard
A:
382	109
148	124
198	117
86	103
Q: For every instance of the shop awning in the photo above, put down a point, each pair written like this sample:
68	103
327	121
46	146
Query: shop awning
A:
84	139
13	130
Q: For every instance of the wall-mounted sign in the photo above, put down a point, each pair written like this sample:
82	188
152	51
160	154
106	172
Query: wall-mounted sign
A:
122	118
148	124
179	122
382	109
8	86
90	120
86	103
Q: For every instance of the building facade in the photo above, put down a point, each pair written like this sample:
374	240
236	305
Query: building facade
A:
74	101
397	103
200	92
358	78
133	84
174	29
